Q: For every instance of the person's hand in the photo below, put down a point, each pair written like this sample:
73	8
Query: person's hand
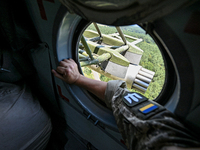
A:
67	71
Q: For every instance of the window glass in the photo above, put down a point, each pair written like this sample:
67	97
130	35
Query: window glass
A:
137	50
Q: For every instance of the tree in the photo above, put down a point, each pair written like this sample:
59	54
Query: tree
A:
87	71
104	78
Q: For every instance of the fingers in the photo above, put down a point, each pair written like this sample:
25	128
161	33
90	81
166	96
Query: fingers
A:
67	71
61	70
57	75
64	66
67	62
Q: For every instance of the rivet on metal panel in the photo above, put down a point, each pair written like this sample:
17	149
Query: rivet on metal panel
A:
96	122
88	117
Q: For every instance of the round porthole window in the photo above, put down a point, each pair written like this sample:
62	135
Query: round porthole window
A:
119	53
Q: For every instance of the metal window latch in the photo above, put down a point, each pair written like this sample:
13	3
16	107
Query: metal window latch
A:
2	70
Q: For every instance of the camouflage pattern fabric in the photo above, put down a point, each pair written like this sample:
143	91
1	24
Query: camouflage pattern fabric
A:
146	133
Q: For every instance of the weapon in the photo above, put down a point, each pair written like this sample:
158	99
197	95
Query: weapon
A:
114	57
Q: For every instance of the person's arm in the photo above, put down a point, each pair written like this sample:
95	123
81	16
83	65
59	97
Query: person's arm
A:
163	127
68	72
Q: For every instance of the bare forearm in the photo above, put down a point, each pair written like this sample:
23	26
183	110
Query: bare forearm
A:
68	72
94	86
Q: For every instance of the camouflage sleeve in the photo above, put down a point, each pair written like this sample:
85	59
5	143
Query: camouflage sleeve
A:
146	131
112	86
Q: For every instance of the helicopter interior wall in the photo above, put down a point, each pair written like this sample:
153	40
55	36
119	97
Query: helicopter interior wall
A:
183	50
75	115
191	43
183	24
177	23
